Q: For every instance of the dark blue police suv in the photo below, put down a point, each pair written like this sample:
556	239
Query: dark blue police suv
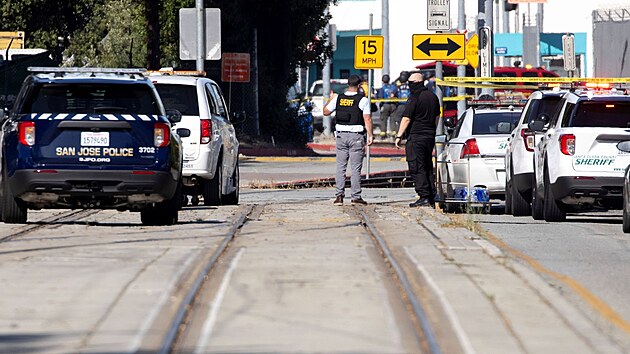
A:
84	138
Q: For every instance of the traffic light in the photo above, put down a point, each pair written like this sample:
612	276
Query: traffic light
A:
510	7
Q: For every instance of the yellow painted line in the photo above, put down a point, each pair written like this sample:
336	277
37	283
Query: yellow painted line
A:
313	159
592	300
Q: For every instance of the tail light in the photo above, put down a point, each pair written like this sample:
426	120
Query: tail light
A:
161	134
26	132
471	149
206	130
567	144
529	139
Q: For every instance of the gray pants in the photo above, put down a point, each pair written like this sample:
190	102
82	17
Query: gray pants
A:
350	147
387	110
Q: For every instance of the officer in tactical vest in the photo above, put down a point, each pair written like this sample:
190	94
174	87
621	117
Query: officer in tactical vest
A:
354	122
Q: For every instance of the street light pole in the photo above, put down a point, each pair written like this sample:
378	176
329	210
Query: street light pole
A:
200	35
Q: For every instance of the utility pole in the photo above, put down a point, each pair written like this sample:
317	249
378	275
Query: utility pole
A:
201	38
385	34
489	14
326	120
461	69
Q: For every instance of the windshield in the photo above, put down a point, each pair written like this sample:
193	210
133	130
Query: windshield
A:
487	123
337	88
180	97
605	114
92	98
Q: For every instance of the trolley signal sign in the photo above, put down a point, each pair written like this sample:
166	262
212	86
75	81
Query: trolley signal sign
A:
368	52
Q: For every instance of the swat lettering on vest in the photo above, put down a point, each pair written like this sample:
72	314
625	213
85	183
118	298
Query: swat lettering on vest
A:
345	102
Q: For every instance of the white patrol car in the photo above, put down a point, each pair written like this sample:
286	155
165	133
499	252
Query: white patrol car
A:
519	165
577	164
211	150
316	94
474	154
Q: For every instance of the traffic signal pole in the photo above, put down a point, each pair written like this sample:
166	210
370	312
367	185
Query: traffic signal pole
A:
461	69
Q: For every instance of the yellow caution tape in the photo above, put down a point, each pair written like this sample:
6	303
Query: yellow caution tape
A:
603	80
466	84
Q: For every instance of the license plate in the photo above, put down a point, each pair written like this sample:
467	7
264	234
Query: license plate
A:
94	139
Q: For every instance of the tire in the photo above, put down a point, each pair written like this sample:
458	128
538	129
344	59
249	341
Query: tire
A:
13	211
626	212
537	203
520	205
508	197
213	189
165	213
551	209
232	198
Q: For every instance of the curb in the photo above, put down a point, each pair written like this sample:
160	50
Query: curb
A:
310	159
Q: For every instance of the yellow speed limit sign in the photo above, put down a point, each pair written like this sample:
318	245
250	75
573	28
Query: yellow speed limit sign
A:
368	52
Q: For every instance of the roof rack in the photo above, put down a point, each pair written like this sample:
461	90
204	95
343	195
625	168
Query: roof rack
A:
73	70
171	71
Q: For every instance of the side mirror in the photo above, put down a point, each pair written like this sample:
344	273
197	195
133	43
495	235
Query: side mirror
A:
449	122
504	127
536	125
238	117
183	132
173	115
624	146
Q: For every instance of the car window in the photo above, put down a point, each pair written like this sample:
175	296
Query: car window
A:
566	114
601	114
458	127
546	74
91	98
180	97
529	74
547	105
486	123
218	100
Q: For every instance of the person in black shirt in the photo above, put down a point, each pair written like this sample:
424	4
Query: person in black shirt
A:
419	123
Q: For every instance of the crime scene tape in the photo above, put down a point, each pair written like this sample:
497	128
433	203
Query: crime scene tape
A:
451	83
610	80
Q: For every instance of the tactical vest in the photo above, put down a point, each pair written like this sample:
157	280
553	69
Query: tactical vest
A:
348	111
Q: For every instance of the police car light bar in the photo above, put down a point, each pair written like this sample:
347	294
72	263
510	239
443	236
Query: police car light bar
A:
497	102
171	71
56	70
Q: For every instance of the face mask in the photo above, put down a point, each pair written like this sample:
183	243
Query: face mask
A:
415	85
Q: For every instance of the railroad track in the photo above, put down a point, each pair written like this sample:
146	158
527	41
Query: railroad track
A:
49	222
172	339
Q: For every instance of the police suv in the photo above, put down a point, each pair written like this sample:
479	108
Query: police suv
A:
577	164
90	138
519	154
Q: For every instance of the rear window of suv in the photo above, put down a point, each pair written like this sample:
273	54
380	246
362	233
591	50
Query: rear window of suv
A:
486	123
547	105
91	98
180	97
601	114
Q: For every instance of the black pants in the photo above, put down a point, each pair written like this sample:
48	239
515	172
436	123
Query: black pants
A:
419	153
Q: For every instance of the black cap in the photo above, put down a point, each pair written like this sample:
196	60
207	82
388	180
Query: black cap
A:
385	78
354	80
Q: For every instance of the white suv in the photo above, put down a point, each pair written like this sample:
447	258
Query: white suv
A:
211	151
519	155
316	94
577	164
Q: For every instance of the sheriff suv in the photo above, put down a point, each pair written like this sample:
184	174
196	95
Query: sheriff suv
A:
577	164
211	150
90	138
519	166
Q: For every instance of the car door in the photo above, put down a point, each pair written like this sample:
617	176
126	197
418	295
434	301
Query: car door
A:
225	130
456	171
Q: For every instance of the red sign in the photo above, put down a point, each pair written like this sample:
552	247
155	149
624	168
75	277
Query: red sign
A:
235	67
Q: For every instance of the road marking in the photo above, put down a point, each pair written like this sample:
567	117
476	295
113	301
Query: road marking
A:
448	310
213	312
592	300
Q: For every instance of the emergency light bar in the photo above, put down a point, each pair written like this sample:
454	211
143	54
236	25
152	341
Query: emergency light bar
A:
171	71
73	70
497	102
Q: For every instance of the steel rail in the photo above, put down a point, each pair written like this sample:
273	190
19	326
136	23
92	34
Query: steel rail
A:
186	305
41	224
419	313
